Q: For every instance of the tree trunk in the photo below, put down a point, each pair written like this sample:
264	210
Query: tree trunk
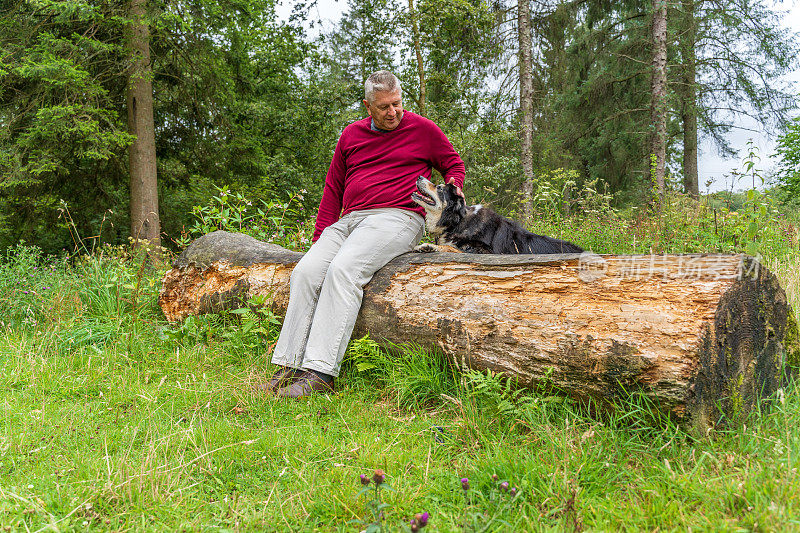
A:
145	223
701	336
420	66
689	104
658	142
526	104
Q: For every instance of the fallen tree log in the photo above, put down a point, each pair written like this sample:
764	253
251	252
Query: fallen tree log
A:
702	336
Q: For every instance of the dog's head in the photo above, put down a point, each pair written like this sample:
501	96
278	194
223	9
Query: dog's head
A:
444	208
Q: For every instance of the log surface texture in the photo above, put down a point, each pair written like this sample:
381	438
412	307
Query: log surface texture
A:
702	336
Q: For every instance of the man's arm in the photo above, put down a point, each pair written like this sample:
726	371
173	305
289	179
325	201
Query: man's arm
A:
445	159
330	207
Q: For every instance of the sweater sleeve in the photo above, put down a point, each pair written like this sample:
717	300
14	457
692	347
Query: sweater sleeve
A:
444	157
330	207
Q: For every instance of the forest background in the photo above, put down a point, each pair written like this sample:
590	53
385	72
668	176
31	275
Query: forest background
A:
543	100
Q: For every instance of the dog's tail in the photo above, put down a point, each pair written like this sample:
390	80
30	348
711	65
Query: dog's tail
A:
542	244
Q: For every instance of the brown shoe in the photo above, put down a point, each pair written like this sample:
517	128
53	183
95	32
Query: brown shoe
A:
305	384
282	377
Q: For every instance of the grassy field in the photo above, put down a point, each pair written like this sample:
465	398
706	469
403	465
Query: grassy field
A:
113	421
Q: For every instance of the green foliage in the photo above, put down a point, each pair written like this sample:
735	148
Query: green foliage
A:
490	155
593	82
28	284
789	151
61	110
458	45
558	193
413	377
244	330
755	222
362	44
599	108
501	398
759	214
257	319
270	221
230	108
62	129
684	226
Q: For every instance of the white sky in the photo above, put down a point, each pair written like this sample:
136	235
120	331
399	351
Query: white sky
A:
712	166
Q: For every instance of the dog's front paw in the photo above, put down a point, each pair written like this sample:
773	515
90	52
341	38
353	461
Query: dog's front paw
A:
426	248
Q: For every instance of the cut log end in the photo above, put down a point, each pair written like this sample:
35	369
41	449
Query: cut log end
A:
223	270
748	352
700	336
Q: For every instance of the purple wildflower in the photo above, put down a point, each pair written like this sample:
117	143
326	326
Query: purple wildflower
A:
364	479
495	477
465	483
419	521
504	486
379	477
513	491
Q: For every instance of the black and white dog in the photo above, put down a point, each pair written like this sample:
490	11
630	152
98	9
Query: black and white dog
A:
456	227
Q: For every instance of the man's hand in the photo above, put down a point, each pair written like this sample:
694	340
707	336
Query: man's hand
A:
458	189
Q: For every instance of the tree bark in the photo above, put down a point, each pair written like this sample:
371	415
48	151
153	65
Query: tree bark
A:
701	336
145	222
689	104
417	50
658	141
526	104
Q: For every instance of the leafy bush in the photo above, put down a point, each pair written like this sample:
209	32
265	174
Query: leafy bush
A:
246	330
559	193
30	286
789	150
270	221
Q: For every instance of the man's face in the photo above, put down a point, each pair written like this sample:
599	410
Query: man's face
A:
386	109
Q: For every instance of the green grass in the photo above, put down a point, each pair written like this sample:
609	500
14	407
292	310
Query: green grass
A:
112	421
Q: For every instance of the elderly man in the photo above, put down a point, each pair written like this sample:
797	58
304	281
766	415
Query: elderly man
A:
366	218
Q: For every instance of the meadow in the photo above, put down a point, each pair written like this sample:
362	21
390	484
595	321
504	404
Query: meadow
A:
114	420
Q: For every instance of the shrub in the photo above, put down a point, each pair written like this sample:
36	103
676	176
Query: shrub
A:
281	223
30	286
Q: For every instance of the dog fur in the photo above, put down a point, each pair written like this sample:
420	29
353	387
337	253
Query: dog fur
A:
476	229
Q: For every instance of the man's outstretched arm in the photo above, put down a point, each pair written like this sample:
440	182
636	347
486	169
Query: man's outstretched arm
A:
446	160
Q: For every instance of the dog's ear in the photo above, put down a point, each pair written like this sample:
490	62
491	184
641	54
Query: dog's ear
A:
452	197
455	209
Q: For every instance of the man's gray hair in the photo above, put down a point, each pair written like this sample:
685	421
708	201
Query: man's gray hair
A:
378	82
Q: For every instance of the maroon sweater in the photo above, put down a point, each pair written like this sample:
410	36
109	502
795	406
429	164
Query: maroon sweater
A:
373	169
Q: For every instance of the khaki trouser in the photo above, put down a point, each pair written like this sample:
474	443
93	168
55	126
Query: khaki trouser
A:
326	286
